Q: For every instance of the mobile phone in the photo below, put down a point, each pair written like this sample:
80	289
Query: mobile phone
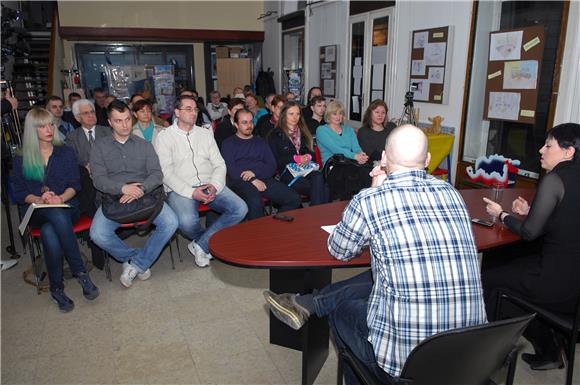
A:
285	218
482	222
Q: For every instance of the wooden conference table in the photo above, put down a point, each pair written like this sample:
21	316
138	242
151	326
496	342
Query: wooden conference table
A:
299	261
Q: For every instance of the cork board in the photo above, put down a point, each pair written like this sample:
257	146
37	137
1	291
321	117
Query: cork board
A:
513	74
430	62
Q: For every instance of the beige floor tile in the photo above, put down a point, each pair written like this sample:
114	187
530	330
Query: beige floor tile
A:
206	306
219	337
249	367
17	370
154	363
193	280
259	321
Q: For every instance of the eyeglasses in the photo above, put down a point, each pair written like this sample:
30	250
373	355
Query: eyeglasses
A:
189	109
87	113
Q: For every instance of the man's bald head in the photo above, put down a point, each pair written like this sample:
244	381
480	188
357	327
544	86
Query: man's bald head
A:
406	148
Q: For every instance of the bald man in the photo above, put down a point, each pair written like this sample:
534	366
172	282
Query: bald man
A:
425	272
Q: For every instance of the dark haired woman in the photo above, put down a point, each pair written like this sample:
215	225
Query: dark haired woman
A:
291	141
550	278
372	136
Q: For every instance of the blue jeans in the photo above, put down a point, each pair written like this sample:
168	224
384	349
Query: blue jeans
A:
58	241
103	234
279	193
345	303
231	207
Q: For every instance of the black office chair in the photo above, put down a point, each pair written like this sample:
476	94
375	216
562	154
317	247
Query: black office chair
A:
460	356
567	325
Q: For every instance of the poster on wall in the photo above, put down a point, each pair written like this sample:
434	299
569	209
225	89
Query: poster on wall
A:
328	66
430	64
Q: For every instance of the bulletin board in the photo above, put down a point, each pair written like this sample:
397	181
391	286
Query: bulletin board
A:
513	74
328	70
429	68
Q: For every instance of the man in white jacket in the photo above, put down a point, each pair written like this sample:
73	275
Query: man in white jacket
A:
194	172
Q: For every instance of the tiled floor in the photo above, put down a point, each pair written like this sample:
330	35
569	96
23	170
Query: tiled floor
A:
183	326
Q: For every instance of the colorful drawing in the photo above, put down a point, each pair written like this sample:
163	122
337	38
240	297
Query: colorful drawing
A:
504	105
505	46
520	75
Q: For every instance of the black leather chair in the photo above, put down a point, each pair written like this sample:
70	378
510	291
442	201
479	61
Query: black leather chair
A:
459	356
567	325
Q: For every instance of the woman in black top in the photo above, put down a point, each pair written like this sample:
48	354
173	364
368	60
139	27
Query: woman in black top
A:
267	123
291	141
552	277
372	136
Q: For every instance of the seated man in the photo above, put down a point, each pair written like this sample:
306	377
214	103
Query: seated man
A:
216	108
55	106
125	164
251	167
425	271
194	172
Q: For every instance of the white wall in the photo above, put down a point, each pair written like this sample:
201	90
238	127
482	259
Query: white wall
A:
272	45
568	107
327	25
414	15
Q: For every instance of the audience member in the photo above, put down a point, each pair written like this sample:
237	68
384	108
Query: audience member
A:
55	106
226	128
350	173
194	172
420	284
290	96
251	167
315	118
145	126
216	108
203	117
101	103
47	173
68	115
126	165
252	105
266	109
372	136
267	122
238	93
291	142
307	111
550	275
156	119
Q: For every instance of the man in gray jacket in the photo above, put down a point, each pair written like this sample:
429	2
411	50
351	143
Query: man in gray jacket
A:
126	165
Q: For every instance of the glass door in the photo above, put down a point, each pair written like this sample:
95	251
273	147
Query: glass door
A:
369	62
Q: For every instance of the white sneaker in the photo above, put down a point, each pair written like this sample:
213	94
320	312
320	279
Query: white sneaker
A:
8	263
128	275
142	276
201	257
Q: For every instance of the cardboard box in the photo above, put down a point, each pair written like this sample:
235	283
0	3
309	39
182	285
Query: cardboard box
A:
235	52
222	52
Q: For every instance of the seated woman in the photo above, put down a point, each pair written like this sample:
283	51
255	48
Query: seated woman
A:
372	136
145	126
291	142
333	138
252	105
550	277
47	173
225	127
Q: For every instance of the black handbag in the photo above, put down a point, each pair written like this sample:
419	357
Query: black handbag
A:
145	208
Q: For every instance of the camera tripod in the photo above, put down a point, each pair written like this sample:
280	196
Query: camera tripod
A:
409	115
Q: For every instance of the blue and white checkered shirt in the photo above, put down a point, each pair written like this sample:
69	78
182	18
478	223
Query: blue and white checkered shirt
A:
424	262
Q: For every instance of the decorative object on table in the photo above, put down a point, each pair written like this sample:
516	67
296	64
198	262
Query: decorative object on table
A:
494	169
435	125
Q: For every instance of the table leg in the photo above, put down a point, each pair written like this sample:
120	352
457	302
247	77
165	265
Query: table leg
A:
313	338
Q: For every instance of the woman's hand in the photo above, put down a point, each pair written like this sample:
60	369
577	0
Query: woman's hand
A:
361	158
520	206
492	208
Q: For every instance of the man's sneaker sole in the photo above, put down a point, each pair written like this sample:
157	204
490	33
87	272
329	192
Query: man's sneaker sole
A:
283	314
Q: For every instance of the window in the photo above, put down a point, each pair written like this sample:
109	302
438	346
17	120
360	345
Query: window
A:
511	139
92	59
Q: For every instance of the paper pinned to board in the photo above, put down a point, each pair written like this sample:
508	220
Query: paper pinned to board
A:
527	113
531	44
494	75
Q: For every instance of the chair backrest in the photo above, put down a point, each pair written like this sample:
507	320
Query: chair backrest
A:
464	356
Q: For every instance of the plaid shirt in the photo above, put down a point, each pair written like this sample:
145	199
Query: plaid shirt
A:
424	262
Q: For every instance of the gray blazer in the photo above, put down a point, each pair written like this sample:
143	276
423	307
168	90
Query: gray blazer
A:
79	142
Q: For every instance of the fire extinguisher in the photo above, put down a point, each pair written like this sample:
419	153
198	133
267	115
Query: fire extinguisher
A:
77	79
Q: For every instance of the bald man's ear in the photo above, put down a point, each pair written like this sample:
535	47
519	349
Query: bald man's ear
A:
428	160
384	158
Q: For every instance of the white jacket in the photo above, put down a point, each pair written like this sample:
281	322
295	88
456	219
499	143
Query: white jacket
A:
189	159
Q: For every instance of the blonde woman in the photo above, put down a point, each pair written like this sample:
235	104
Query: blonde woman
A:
47	173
